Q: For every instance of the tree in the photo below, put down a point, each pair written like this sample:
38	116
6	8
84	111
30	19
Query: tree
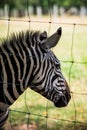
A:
44	3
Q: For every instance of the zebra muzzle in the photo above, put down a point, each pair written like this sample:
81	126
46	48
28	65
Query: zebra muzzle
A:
62	100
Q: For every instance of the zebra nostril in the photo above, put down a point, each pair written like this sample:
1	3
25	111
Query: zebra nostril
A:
62	102
68	97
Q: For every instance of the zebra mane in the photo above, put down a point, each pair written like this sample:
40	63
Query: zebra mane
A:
21	38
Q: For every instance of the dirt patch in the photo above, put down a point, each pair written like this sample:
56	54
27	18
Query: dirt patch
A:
21	127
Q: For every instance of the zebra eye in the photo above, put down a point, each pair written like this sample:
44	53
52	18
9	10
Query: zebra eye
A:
57	66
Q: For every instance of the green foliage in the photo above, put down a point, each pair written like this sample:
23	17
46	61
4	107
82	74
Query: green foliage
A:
34	2
23	3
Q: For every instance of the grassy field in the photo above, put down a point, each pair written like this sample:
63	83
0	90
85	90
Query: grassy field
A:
71	47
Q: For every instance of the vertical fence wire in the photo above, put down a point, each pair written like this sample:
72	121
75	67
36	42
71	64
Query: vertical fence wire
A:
72	62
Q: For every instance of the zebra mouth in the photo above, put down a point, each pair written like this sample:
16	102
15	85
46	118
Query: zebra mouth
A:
61	100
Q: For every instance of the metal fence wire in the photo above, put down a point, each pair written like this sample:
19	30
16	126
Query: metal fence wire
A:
72	62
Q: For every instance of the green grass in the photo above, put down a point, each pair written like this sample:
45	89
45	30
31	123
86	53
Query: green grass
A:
33	103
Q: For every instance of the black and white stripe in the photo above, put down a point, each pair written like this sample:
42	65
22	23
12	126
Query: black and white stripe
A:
3	116
27	61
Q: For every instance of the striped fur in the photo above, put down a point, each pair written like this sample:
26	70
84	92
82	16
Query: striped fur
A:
3	117
25	63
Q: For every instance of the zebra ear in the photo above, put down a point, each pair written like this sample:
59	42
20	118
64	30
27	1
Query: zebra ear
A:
52	40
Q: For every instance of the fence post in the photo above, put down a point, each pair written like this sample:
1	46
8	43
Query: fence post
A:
14	13
55	11
62	11
6	11
1	12
39	11
83	11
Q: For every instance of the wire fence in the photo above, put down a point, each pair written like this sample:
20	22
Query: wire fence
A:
74	119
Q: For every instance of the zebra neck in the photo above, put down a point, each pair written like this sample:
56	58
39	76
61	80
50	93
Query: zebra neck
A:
16	66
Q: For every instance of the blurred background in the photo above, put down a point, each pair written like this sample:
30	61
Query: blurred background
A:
32	111
19	8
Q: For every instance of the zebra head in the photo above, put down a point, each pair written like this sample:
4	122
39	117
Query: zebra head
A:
48	79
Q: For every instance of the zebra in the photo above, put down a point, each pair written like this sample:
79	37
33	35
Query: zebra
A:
26	60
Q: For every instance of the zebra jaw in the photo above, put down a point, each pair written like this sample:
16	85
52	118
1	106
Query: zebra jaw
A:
61	99
51	41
